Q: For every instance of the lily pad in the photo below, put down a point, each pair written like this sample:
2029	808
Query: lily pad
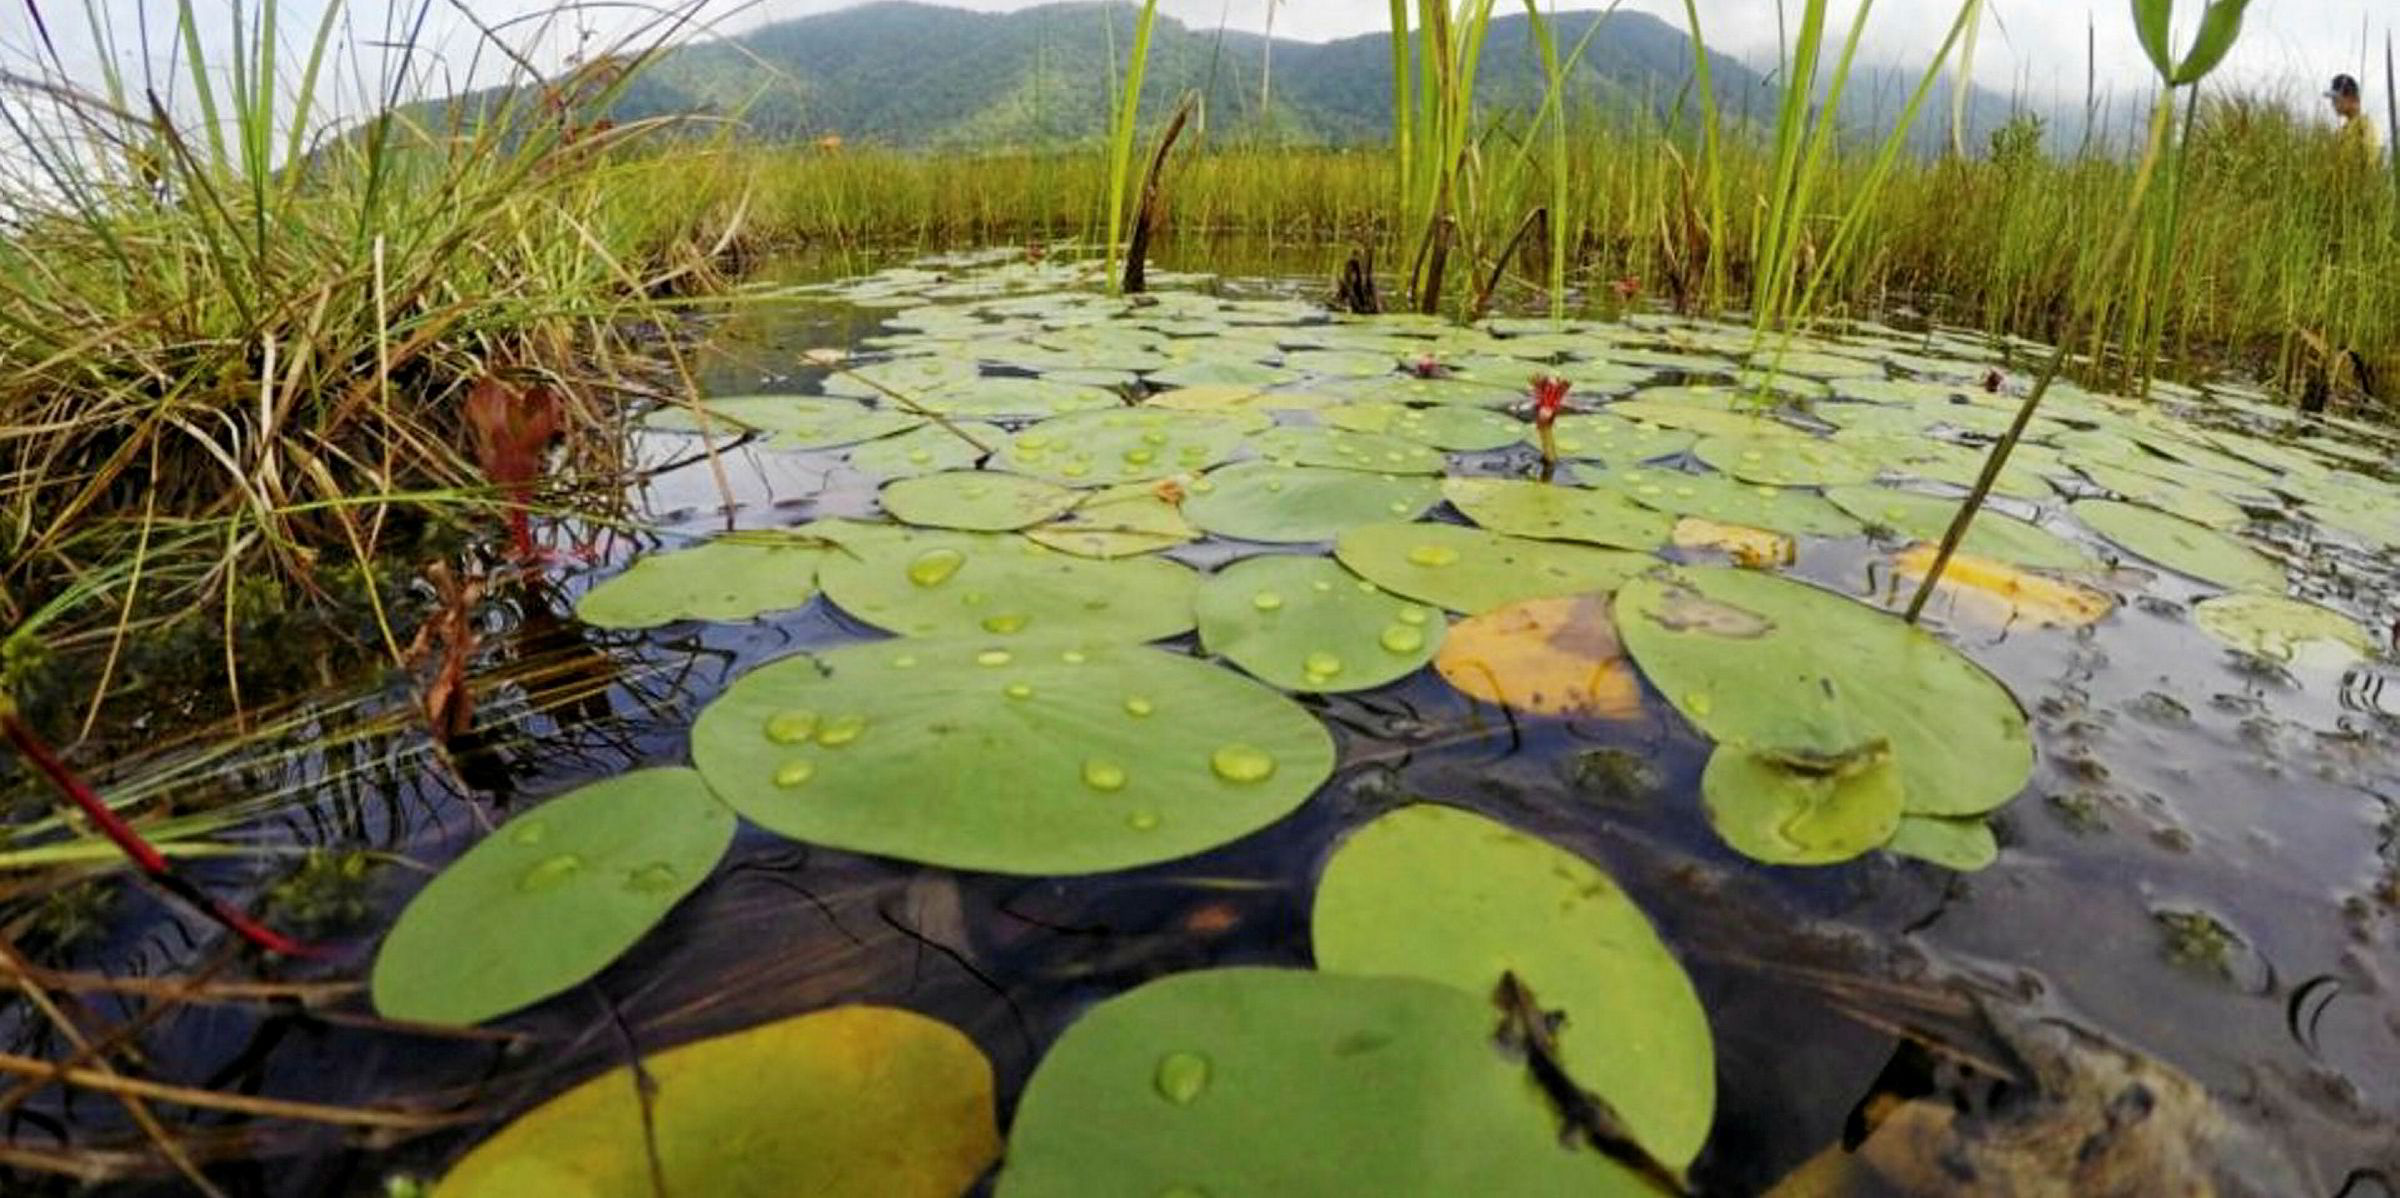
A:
1765	664
1965	845
1098	449
1288	505
550	898
2182	546
927	449
1716	497
1552	657
1458	429
799	422
1788	460
1707	420
1306	624
1281	1081
1363	363
1223	373
1337	450
1634	1032
1804	811
975	501
1614	439
1471	571
1123	521
854	1102
1042	755
735	577
1998	593
1239	400
2281	629
930	583
1994	535
2196	504
1016	399
1547	512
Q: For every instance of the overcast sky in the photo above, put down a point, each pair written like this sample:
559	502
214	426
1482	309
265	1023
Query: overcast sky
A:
2291	46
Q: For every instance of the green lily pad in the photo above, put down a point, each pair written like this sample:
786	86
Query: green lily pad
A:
931	583
798	422
1045	755
1706	421
1721	499
1281	1081
1334	449
1939	461
1613	439
1447	391
927	449
735	577
2182	546
1306	624
908	376
1099	449
1993	535
1965	845
1223	373
1505	902
974	501
2196	504
1471	571
1546	512
854	1102
1894	391
550	898
1289	505
1239	400
1361	363
2281	629
1016	399
1458	429
1765	664
1782	812
1124	521
1788	460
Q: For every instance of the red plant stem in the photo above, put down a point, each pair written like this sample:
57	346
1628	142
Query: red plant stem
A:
152	862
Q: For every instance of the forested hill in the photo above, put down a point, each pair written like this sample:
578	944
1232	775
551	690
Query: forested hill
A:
912	74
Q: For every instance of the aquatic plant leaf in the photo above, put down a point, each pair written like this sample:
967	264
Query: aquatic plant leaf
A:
735	577
974	501
910	376
1122	521
927	449
1016	399
800	422
1306	624
1360	363
1614	439
550	898
852	1102
2182	546
1285	1081
1788	460
1703	420
1223	373
1716	497
1751	548
2281	629
1032	755
1471	571
1762	663
1546	512
1771	810
1552	657
1993	535
1335	449
1879	390
1938	461
1451	392
2002	593
1236	400
1965	845
1099	449
931	583
1451	427
1447	896
1288	505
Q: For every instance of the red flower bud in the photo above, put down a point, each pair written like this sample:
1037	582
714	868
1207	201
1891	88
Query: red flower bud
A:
1549	398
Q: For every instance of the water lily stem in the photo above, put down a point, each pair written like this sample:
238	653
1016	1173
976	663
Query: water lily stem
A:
1993	464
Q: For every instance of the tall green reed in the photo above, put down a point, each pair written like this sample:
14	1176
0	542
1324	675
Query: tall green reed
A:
1125	109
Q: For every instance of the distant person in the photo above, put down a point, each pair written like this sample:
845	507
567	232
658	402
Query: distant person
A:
2357	138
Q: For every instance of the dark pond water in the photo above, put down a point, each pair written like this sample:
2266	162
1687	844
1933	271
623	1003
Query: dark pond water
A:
2202	873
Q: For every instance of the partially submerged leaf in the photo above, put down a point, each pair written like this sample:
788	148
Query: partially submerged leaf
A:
1471	571
1037	755
853	1102
1502	902
1306	624
2006	593
1278	1081
1782	810
1553	657
2281	629
1965	845
1750	548
550	898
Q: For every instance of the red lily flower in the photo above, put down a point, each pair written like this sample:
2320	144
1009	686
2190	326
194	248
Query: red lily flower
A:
1428	367
511	429
1549	398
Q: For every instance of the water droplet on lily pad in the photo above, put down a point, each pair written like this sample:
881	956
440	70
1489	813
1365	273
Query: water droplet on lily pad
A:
1103	775
1139	707
1402	638
1005	623
1181	1076
1699	704
1142	821
841	730
1266	601
1242	763
795	773
1414	615
550	873
994	657
529	832
906	661
1018	690
652	878
791	727
1324	663
934	567
1432	555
